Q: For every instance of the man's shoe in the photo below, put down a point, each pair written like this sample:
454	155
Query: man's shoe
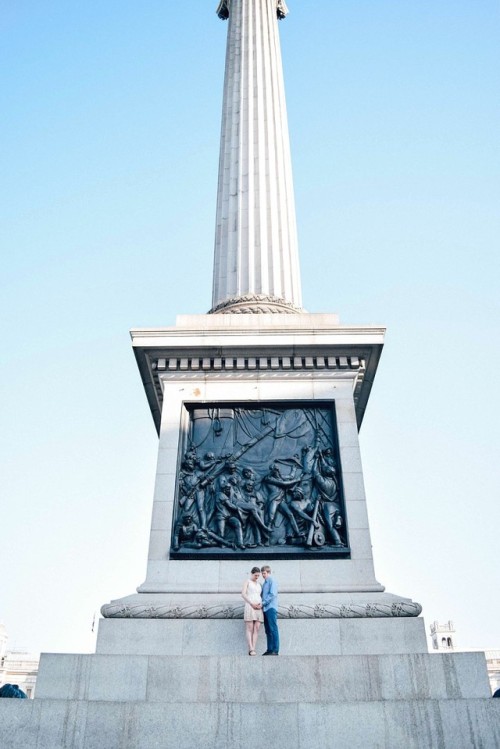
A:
267	653
273	653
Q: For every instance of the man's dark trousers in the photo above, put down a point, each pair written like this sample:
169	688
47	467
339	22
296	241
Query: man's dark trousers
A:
271	627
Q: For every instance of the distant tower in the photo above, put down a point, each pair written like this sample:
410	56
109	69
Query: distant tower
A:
443	636
256	264
3	642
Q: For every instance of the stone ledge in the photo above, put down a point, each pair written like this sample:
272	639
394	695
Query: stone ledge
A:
289	679
412	724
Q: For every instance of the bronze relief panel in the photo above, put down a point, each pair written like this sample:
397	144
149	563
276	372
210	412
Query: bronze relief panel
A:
259	478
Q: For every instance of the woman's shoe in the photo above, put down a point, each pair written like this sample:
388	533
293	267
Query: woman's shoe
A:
252	652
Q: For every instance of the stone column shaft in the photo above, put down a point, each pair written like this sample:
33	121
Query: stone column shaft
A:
256	253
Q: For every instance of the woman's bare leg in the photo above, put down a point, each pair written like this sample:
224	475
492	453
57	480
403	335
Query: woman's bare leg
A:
249	634
255	634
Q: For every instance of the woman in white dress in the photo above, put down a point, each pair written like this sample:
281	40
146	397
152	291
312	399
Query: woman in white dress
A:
253	616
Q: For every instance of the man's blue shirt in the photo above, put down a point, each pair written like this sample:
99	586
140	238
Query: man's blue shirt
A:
270	594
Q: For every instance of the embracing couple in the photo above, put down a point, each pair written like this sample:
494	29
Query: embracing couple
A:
261	605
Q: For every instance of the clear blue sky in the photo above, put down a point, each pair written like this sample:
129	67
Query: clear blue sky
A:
108	150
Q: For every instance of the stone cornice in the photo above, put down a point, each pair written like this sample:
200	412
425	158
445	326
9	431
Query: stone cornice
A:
249	324
258	346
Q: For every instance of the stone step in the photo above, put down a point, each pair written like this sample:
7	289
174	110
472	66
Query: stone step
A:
246	680
382	724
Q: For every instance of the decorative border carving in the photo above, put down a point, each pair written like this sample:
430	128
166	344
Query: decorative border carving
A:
285	366
235	611
229	364
255	304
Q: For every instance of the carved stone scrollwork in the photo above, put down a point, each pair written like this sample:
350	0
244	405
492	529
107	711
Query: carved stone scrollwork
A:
235	611
259	477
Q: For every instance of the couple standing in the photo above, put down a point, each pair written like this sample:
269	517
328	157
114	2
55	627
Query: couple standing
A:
261	605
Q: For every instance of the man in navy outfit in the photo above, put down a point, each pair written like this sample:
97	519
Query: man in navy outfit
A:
270	609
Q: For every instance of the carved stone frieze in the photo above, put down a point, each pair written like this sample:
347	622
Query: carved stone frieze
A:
235	611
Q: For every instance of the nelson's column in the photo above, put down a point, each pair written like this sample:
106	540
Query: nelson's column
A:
257	404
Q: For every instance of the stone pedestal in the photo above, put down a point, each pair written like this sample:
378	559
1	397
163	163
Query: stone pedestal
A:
260	360
304	637
171	668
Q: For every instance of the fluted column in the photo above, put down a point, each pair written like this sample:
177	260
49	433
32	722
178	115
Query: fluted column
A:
256	266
